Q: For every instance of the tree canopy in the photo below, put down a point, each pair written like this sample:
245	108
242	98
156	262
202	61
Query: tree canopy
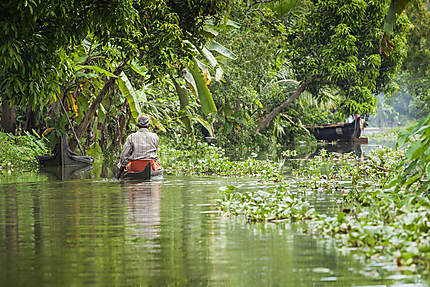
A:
336	44
38	35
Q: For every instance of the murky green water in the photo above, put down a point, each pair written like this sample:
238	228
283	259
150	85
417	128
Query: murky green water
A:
97	232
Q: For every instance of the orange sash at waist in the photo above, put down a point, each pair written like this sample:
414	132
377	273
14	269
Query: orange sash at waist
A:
140	164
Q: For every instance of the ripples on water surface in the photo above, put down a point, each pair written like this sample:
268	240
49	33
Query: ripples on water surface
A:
159	233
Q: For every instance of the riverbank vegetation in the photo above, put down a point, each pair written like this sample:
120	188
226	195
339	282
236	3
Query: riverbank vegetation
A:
20	152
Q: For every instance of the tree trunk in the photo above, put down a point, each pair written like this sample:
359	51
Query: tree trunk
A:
279	109
30	121
8	120
95	105
120	126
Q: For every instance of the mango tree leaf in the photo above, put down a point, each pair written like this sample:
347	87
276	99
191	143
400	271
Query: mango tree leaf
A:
97	69
206	101
129	93
141	70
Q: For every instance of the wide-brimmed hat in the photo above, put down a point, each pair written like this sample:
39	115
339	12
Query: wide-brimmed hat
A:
143	121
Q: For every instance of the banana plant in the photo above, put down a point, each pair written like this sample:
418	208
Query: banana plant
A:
396	8
198	77
137	99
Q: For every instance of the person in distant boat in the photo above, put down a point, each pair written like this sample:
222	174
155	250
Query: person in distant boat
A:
142	144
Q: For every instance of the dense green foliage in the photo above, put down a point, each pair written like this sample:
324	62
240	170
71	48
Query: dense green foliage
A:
187	65
341	52
90	68
20	152
72	53
417	63
36	36
414	170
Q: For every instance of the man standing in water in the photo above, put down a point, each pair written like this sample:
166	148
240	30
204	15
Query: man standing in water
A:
142	144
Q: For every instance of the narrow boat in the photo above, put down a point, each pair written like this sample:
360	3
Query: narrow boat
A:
64	157
339	131
142	169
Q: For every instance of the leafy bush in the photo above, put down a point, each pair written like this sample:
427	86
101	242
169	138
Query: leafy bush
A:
20	152
414	171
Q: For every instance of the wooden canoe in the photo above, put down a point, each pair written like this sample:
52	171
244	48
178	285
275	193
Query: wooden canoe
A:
338	132
145	174
64	157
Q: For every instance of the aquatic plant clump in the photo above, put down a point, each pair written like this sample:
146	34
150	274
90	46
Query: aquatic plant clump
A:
280	203
379	222
211	160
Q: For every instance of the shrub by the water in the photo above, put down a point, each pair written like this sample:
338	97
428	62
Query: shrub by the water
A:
20	152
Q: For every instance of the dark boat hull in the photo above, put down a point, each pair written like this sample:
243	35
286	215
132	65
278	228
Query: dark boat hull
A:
145	174
64	157
337	132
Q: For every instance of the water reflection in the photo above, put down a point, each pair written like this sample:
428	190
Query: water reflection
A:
158	233
143	209
67	172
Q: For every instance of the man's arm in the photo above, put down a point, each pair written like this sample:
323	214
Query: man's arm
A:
126	152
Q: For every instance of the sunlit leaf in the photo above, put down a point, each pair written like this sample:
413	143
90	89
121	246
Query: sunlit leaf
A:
205	124
215	46
141	70
206	101
129	93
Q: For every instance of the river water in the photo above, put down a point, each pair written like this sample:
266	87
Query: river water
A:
100	232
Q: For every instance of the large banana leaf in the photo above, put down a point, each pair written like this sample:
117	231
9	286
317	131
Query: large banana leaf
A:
208	126
129	93
188	77
215	46
213	63
206	101
396	7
